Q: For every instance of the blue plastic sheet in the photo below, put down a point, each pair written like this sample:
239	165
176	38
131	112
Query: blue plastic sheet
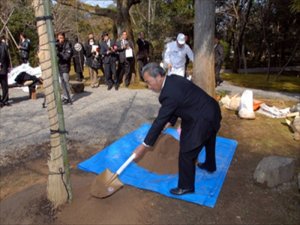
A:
207	186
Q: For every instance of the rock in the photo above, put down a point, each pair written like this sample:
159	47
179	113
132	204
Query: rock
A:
295	126
274	170
76	86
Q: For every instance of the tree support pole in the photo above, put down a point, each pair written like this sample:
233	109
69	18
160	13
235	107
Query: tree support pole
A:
58	188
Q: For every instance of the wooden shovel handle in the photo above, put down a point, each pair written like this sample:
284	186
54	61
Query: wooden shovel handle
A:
129	160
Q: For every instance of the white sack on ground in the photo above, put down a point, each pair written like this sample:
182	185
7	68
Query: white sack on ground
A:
246	105
232	103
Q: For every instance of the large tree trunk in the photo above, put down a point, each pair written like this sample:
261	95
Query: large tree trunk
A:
58	188
203	71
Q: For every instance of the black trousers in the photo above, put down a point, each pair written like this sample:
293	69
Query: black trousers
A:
4	86
110	73
187	162
141	63
125	69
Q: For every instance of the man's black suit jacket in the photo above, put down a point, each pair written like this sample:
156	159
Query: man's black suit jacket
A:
200	114
110	57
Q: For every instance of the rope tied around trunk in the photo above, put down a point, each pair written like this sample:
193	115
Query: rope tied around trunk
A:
61	173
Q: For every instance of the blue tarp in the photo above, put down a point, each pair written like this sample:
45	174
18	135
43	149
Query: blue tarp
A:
207	186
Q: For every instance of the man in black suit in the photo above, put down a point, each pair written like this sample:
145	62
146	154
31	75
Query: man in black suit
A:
143	53
4	65
126	59
200	115
108	51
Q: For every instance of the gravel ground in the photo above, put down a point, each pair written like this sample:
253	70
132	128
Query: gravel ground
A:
96	117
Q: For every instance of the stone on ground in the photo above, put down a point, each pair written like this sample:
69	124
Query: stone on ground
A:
274	170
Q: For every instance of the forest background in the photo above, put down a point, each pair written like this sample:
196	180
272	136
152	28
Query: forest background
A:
255	33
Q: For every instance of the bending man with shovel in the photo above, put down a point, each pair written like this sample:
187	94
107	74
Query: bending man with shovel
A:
200	115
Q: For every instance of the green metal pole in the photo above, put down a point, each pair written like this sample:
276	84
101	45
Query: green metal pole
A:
56	87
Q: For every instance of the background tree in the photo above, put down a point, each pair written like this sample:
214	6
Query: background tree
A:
21	21
167	19
203	71
120	15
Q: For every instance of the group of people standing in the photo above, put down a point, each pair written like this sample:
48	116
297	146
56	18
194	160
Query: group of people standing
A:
115	58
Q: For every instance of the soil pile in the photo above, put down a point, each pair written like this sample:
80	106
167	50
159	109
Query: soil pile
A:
163	158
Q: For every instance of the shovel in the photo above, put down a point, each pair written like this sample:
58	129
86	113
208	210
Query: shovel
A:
108	183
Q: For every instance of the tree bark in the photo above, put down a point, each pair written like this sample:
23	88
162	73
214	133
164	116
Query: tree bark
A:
203	66
58	188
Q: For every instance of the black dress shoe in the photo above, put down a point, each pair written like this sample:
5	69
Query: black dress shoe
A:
181	191
116	87
203	166
110	86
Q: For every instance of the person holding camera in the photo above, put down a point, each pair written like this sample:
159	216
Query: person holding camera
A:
64	54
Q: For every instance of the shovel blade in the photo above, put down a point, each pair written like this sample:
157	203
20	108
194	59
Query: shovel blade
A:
105	184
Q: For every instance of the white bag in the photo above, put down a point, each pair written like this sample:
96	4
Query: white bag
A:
246	105
129	53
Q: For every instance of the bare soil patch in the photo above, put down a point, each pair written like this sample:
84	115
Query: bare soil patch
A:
241	201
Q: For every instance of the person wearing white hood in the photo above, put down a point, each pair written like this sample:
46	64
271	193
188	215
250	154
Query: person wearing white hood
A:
175	56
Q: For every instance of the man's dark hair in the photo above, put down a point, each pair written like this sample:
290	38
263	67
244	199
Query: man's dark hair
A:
154	70
61	33
23	35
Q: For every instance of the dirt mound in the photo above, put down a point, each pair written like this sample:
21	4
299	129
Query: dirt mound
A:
163	159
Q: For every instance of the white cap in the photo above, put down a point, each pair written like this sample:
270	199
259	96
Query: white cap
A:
181	39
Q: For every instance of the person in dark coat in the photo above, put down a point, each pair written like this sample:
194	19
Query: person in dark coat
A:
126	59
219	59
143	52
24	47
64	54
78	59
4	65
200	121
109	58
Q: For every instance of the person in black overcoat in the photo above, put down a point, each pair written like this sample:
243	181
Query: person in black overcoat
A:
4	65
200	121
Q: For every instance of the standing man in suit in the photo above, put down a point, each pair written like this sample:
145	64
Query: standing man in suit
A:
219	58
200	115
143	53
126	59
108	52
4	66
